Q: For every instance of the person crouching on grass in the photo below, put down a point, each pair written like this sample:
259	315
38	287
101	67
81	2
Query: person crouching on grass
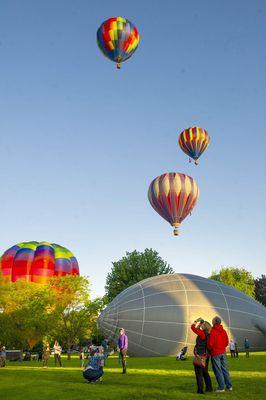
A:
201	359
93	371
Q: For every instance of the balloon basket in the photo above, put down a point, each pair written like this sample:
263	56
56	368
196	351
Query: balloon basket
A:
118	65
196	162
175	231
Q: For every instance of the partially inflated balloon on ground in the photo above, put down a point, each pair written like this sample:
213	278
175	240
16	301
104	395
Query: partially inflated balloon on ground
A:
117	39
173	196
37	262
157	313
194	141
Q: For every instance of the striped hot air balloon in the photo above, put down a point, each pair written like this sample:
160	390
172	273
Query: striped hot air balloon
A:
118	39
37	262
173	196
194	141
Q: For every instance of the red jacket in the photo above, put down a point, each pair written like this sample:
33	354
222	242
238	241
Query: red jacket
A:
217	340
198	331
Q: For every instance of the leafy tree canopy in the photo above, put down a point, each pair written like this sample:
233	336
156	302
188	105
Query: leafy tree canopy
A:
260	289
132	268
239	278
76	314
25	313
62	310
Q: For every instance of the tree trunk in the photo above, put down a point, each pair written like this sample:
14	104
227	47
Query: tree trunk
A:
68	348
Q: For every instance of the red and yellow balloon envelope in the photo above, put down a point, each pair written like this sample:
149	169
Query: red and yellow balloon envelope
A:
194	141
118	39
173	196
37	262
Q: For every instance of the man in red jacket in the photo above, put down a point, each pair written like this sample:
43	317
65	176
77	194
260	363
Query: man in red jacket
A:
217	343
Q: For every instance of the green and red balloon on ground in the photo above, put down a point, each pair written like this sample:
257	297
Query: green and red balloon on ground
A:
37	262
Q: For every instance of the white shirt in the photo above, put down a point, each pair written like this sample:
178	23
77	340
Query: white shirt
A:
232	345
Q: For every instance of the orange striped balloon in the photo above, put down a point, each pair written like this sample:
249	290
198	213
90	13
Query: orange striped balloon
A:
194	141
173	196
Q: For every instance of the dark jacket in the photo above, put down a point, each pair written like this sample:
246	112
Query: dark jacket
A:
201	341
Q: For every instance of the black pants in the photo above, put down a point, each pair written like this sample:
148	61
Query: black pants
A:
123	354
57	358
233	353
93	375
202	374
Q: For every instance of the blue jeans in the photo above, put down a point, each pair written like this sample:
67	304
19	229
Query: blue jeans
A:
221	372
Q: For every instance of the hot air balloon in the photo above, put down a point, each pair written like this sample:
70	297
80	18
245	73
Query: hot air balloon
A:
173	196
157	312
194	141
118	39
37	262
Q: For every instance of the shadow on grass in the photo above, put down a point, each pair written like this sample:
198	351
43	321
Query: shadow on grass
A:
154	378
69	384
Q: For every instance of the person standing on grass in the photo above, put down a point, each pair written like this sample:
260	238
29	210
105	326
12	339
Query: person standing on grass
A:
247	347
45	354
39	355
217	342
57	353
202	329
2	356
104	344
123	346
232	348
236	349
82	357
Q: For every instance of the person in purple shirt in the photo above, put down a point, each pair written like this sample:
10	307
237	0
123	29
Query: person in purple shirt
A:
123	345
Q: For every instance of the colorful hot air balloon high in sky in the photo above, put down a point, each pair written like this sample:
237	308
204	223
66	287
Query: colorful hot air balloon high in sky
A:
37	262
118	39
173	196
194	141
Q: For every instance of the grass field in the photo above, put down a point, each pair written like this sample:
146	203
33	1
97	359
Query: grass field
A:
147	378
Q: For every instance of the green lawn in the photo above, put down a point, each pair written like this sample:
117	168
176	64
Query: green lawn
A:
147	378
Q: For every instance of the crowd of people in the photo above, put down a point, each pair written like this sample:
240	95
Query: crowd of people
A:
94	370
44	356
211	343
210	347
233	348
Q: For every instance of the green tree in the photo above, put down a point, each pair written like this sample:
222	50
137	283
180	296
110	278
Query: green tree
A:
133	268
239	278
61	310
76	314
26	313
260	289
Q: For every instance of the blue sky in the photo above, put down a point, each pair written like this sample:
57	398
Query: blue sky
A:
81	141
